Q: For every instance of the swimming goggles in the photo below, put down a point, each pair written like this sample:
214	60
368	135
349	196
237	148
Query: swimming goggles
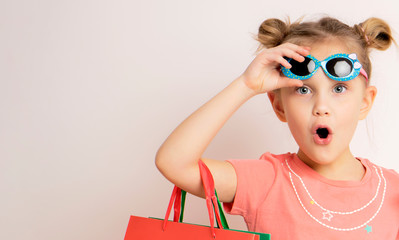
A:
339	67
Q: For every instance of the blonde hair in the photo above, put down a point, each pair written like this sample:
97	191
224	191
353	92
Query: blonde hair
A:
372	33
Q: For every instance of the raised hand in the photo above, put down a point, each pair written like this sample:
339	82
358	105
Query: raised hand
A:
263	73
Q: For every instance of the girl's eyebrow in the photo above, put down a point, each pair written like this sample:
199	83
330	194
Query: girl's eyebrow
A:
313	84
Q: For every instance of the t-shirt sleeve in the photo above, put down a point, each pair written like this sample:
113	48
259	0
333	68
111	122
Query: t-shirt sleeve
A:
254	179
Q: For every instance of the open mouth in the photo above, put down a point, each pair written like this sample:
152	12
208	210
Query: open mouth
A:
322	132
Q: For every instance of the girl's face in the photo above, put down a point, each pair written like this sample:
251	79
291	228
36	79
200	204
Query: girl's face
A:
323	114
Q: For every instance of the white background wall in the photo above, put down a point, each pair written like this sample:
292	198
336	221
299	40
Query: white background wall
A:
90	89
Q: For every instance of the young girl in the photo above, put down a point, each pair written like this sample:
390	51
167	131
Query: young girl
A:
317	77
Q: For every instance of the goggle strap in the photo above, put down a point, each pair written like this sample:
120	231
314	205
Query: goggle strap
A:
363	72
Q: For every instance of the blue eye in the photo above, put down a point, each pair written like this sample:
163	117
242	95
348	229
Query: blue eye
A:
339	89
303	90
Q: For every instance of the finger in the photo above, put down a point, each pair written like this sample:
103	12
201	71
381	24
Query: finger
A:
293	55
282	61
274	59
289	82
300	51
294	82
296	48
277	55
298	58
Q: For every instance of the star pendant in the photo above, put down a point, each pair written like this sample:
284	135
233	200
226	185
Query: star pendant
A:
327	215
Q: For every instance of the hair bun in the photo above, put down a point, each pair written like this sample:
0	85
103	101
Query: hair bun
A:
377	33
272	33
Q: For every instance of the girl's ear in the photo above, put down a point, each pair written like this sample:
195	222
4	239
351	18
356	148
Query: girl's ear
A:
277	104
368	100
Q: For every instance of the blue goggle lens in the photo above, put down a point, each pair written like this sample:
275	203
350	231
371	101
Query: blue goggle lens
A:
302	68
339	67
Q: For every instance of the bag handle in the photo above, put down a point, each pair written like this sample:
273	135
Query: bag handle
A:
221	213
210	197
223	219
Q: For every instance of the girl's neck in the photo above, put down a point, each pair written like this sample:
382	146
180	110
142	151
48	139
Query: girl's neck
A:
345	168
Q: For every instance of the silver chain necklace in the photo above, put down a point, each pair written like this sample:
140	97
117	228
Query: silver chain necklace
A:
328	214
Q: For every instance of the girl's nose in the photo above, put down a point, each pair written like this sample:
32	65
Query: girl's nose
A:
321	108
321	112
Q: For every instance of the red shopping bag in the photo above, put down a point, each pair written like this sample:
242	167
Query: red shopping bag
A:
141	228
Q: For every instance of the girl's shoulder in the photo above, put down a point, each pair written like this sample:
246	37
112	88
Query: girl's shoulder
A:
391	174
277	158
388	173
267	164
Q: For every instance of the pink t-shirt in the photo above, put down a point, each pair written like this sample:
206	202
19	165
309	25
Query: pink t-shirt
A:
281	195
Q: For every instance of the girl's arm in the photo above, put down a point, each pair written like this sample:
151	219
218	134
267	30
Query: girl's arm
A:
177	158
